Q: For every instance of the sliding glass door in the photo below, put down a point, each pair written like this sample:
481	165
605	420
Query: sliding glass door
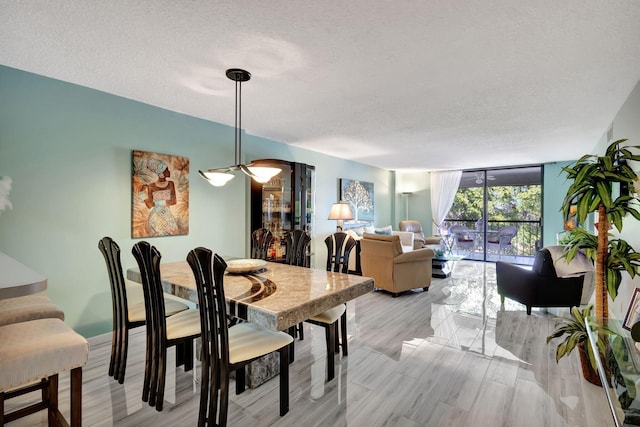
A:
497	214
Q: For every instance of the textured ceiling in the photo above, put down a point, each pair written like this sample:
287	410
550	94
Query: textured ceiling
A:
404	85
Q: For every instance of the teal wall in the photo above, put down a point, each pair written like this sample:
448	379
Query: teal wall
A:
419	184
555	186
68	148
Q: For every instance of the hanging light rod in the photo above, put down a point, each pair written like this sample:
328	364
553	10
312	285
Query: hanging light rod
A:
220	176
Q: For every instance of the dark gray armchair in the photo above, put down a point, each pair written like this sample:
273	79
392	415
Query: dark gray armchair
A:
539	287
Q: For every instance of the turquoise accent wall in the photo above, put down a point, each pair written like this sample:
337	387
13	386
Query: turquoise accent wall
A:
555	186
419	185
68	149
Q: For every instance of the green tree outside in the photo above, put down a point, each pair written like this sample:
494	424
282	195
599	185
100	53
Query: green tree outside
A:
505	203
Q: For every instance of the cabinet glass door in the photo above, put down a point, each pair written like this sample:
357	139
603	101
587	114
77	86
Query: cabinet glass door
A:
277	211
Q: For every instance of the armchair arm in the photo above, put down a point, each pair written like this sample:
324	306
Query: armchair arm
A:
418	241
516	282
506	272
424	254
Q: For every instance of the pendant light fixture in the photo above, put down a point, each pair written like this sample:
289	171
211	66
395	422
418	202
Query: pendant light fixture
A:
219	177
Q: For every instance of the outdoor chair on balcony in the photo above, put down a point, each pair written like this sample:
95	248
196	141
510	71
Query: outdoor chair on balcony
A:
462	238
501	241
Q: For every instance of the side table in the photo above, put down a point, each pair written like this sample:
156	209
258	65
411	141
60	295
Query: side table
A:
442	266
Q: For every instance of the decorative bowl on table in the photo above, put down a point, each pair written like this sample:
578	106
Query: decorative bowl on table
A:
245	266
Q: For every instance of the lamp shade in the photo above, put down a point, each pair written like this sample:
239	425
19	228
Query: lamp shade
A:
220	176
263	174
340	211
217	179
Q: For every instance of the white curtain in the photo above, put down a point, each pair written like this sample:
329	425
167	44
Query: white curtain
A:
444	186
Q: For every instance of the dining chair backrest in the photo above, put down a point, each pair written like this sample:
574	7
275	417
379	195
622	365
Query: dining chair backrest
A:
213	309
213	331
297	242
111	252
148	259
339	246
120	308
178	330
260	242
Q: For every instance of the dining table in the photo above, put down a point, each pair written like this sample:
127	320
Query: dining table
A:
17	279
276	296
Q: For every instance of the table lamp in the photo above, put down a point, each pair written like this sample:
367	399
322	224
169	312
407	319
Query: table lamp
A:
340	211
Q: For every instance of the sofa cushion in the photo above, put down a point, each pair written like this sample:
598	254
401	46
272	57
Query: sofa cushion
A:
358	231
384	230
406	240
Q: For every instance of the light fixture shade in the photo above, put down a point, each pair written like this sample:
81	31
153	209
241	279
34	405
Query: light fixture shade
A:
340	211
263	174
217	178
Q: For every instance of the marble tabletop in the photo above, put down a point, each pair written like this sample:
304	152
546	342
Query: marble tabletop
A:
278	297
17	279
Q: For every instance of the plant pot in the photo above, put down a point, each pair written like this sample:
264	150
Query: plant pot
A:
588	372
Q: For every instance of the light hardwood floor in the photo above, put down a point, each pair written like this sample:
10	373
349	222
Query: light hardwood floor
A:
447	357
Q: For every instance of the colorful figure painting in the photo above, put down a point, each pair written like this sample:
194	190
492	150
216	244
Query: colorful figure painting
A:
160	195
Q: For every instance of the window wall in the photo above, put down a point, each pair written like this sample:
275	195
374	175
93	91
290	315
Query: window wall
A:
497	214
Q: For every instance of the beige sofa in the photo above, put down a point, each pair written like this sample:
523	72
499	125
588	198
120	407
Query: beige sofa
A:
406	241
392	269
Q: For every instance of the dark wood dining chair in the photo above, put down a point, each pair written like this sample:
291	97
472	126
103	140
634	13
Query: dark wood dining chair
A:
298	242
127	307
178	330
339	247
260	242
224	349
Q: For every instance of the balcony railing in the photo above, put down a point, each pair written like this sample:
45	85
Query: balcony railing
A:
524	244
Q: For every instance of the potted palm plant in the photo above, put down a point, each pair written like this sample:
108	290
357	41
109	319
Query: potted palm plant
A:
574	331
595	178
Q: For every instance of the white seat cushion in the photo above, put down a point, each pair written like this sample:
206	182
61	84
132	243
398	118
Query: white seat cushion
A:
183	324
171	307
330	315
248	340
31	307
135	302
38	349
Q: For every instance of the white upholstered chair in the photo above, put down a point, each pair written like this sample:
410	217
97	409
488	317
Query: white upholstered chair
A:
32	355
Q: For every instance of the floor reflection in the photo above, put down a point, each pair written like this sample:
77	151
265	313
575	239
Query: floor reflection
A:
449	356
466	314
